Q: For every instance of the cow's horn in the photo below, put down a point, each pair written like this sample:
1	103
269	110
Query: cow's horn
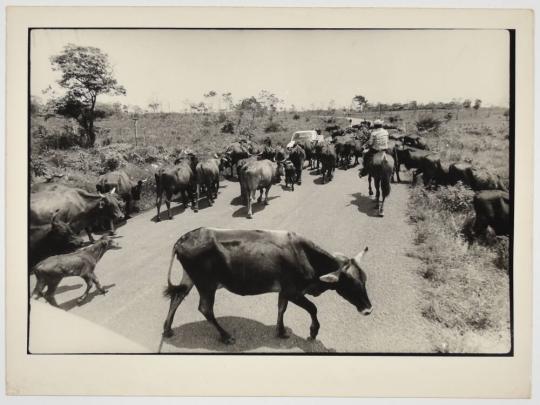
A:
113	190
359	256
145	180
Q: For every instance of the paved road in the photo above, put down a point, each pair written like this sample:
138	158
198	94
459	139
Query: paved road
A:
339	216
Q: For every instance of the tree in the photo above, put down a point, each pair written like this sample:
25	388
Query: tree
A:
86	73
228	100
467	103
361	102
36	106
210	96
154	105
477	104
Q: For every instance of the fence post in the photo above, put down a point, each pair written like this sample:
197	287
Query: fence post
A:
135	120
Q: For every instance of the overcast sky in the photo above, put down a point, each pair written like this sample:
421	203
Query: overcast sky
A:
305	68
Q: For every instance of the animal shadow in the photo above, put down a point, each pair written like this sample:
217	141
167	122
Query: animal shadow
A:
319	181
285	188
365	204
66	306
255	207
249	335
238	200
177	209
65	288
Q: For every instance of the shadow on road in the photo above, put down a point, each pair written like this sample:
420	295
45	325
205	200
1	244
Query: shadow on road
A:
319	181
255	207
66	306
177	209
65	288
365	204
249	335
286	188
237	200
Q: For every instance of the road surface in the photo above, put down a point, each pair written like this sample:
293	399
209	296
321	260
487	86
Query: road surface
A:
339	216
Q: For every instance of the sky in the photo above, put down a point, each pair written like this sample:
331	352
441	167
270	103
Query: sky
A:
305	68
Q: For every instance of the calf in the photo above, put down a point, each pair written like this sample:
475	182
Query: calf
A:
81	263
252	262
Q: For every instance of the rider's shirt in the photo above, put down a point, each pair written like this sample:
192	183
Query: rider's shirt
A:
379	139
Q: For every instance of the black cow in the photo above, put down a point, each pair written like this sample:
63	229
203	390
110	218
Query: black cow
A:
207	176
256	262
74	206
297	156
492	215
328	161
50	237
128	189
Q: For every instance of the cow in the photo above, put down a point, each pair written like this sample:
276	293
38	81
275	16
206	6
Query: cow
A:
172	180
328	161
259	175
252	262
411	158
239	166
381	169
317	149
485	180
492	215
416	141
308	147
74	206
460	172
235	152
431	168
81	263
50	237
290	174
207	176
344	149
125	187
297	156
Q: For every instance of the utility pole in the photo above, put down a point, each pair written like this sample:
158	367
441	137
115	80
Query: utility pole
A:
135	119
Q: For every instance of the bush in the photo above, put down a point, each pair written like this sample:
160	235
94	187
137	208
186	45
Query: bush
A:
394	119
228	128
428	123
448	116
222	117
273	127
456	198
296	117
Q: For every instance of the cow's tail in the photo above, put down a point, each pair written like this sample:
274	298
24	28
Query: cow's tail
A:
172	291
158	184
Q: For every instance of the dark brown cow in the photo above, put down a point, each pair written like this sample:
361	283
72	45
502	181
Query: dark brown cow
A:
308	147
290	174
328	161
51	237
492	215
81	263
297	156
173	180
344	149
207	176
235	152
259	175
74	206
257	262
125	187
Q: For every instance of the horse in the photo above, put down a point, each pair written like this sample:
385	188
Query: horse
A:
381	169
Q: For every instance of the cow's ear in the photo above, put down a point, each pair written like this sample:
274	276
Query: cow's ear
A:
54	217
330	277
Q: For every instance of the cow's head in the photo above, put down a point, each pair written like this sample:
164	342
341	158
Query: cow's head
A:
350	281
108	242
136	189
62	236
110	206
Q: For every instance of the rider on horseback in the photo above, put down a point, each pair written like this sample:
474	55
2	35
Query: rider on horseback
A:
377	142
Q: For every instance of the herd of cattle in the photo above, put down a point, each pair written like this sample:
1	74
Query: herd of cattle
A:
59	213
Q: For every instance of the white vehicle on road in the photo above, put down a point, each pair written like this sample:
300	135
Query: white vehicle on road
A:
311	136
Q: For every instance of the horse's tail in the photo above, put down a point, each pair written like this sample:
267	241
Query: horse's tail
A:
387	170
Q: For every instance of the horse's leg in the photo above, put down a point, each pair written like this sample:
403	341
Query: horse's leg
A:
369	185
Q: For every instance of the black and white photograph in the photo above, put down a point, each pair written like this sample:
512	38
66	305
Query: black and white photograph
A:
271	191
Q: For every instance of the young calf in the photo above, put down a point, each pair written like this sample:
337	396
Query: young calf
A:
82	263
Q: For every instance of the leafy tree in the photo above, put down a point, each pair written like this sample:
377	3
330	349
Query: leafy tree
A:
35	105
86	73
361	102
477	104
467	104
154	105
228	100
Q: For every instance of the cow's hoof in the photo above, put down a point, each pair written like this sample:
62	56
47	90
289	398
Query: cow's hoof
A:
81	300
168	333
311	338
250	216
259	200
266	202
103	291
196	210
381	214
228	340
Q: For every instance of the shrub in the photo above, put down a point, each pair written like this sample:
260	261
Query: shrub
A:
273	127
222	117
448	116
456	198
502	253
228	128
296	117
394	119
428	123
